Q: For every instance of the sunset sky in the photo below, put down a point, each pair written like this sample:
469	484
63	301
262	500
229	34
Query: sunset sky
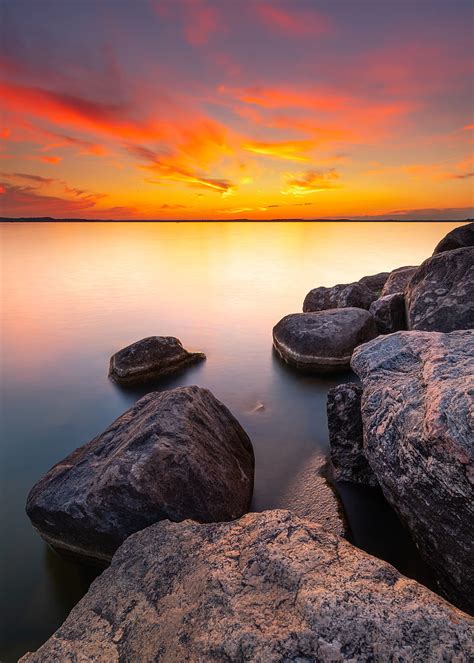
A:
227	109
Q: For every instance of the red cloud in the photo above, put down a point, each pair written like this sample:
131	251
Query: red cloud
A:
297	23
201	21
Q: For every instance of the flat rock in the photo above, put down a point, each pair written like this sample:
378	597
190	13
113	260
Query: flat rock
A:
440	296
342	295
310	495
457	239
322	341
267	588
398	280
375	282
417	419
346	436
150	359
389	313
176	454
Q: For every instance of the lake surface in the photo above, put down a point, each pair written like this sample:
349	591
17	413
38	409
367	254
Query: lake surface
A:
75	293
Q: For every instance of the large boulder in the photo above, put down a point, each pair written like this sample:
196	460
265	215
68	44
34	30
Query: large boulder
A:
346	436
398	280
309	494
375	282
339	296
268	587
322	341
417	419
150	359
440	296
176	454
456	239
389	313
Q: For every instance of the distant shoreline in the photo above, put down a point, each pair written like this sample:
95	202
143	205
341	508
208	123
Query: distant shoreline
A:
50	219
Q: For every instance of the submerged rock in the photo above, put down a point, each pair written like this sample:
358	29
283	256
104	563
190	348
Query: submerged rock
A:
310	495
389	313
268	587
375	282
176	454
339	296
346	436
150	359
457	239
417	419
322	341
440	296
398	280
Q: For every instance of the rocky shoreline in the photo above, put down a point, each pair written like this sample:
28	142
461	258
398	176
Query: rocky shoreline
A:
163	494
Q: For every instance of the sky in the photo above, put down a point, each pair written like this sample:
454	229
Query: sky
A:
229	109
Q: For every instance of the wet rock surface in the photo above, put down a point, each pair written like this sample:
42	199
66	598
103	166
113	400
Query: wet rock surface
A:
346	435
310	495
175	455
440	295
150	359
398	280
389	313
339	296
268	587
322	341
456	239
417	419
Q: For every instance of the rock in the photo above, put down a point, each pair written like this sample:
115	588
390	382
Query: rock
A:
346	436
176	454
457	239
310	495
150	359
440	295
417	419
268	587
389	313
375	282
339	296
322	341
398	280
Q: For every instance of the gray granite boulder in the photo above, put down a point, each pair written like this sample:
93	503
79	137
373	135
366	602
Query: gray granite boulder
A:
375	282
346	436
339	296
150	359
440	296
176	454
309	494
389	313
398	280
267	588
417	414
322	341
457	239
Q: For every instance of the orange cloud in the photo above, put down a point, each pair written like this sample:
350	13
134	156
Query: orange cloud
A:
5	133
48	159
284	97
288	150
296	23
302	184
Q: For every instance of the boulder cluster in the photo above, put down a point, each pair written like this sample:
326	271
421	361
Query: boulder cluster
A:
162	496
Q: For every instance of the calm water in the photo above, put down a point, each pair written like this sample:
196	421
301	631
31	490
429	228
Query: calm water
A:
73	294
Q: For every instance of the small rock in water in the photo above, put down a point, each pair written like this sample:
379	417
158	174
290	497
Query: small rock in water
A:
174	455
398	280
150	359
268	587
323	341
346	435
389	313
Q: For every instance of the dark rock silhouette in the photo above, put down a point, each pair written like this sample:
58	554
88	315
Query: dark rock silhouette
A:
339	296
389	313
456	239
398	280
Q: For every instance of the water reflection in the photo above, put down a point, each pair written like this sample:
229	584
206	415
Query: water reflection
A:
73	294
